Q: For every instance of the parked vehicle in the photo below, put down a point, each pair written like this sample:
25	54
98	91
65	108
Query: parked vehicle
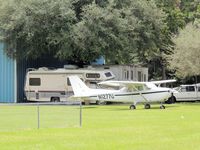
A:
53	85
186	93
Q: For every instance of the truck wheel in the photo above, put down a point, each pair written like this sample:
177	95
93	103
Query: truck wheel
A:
173	99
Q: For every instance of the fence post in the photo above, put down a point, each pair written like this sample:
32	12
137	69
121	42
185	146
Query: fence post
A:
80	113
38	116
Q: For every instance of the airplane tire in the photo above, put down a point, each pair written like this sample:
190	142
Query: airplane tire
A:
132	107
162	107
147	106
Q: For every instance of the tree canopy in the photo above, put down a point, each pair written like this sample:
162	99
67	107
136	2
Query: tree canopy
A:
123	31
81	32
185	59
33	28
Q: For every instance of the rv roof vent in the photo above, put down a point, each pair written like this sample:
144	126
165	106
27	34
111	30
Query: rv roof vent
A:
70	66
43	69
90	67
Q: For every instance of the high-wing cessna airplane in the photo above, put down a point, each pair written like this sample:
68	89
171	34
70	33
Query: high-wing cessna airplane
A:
130	91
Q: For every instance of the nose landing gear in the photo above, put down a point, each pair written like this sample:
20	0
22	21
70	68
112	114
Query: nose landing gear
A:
147	106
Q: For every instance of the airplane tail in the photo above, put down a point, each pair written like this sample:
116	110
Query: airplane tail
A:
79	87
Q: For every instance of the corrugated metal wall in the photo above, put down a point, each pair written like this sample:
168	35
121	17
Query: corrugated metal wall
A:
22	66
7	78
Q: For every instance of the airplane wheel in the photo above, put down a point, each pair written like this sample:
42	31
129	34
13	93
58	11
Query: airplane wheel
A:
162	107
132	107
147	106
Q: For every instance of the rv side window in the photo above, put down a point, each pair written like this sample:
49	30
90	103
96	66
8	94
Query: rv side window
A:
108	74
34	82
93	75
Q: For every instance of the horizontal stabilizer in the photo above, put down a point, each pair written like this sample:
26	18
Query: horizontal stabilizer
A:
78	86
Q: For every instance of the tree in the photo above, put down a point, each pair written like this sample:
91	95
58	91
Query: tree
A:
33	28
129	30
122	31
185	59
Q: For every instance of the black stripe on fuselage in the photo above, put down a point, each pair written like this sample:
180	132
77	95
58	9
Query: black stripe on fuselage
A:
129	94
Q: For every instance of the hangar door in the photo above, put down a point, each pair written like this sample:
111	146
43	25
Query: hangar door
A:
7	78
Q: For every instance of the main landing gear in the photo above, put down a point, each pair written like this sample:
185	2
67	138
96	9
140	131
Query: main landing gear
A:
146	106
162	107
132	107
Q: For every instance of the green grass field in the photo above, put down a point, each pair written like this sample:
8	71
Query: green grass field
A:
115	127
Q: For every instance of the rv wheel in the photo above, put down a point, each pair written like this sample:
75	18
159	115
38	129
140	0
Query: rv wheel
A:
55	99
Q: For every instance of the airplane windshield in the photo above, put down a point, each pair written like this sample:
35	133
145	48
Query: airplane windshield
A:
137	88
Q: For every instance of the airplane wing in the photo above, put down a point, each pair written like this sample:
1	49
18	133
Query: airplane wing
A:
128	84
163	81
120	83
158	83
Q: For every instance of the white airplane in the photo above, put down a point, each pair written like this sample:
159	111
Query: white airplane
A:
130	91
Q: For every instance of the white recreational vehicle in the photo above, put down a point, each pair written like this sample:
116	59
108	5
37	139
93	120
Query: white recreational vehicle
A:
44	84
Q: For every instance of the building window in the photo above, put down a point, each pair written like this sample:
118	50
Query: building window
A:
139	76
92	75
34	81
68	82
127	74
145	77
131	74
124	74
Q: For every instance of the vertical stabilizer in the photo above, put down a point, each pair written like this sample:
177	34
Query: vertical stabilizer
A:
78	86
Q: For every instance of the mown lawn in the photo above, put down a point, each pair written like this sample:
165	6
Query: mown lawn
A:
115	127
